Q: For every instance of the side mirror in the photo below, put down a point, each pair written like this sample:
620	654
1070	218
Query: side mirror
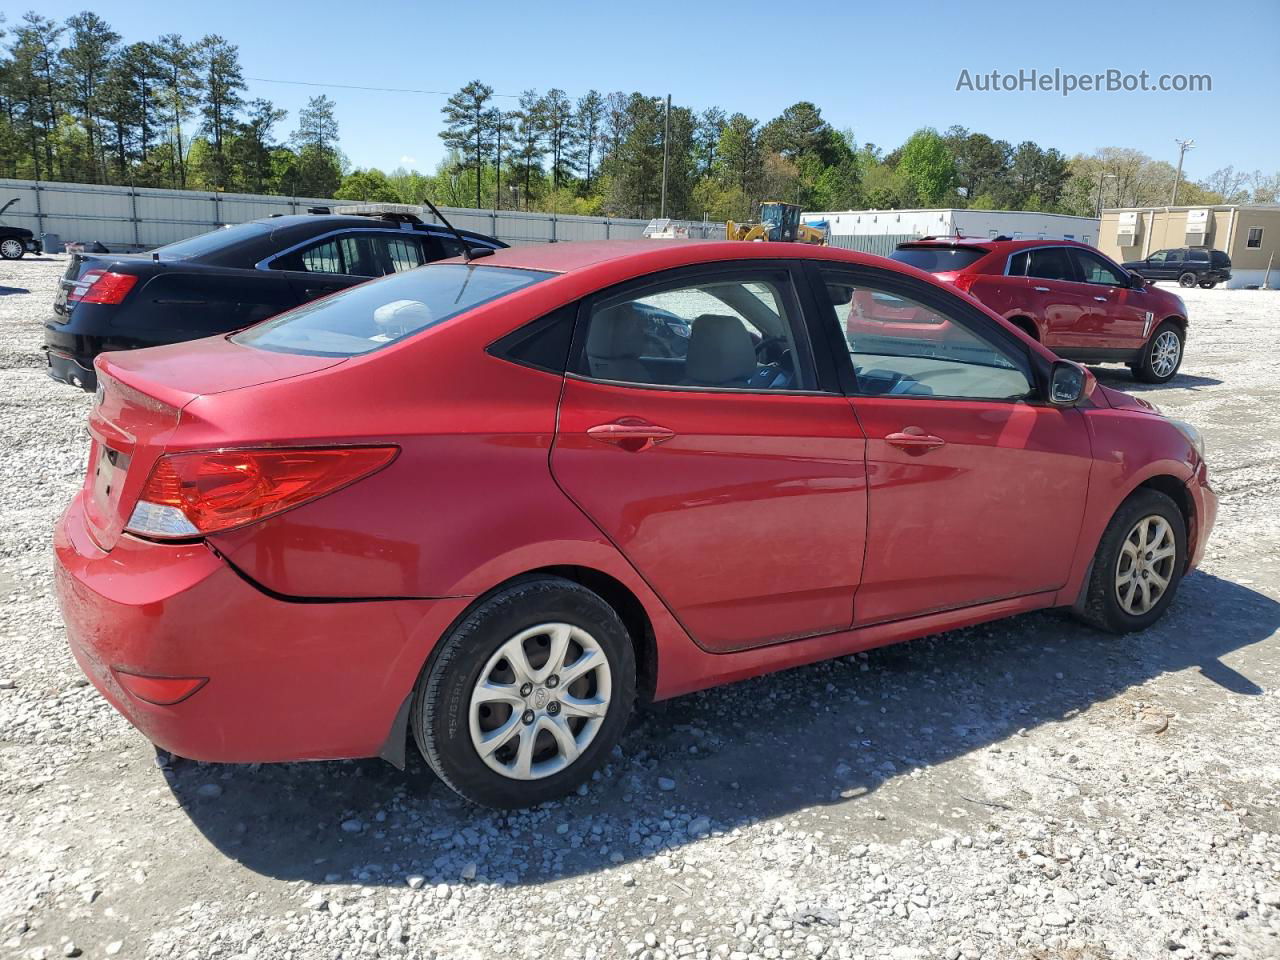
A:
1068	383
1137	279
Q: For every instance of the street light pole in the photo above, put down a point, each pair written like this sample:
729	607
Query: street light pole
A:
1183	147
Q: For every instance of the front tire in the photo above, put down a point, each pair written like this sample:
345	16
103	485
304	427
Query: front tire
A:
1162	355
12	249
1138	566
525	698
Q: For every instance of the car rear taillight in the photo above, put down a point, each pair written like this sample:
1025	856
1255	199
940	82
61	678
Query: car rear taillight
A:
101	286
194	494
965	281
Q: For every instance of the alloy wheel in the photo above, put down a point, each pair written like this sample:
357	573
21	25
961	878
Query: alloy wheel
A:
1145	566
1165	353
539	701
11	249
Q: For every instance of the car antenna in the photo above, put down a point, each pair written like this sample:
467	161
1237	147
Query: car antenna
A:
469	252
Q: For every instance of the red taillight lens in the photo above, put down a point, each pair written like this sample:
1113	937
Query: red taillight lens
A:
101	286
965	281
193	494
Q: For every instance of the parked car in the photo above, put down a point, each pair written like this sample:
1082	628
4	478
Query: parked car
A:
1066	295
1190	266
230	278
16	242
466	501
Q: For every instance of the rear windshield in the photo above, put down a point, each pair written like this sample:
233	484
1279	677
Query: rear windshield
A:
210	242
381	312
938	259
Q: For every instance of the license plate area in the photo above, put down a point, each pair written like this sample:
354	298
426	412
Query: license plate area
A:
109	471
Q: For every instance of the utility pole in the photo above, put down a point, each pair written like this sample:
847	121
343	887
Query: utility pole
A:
1098	203
497	166
1183	147
666	153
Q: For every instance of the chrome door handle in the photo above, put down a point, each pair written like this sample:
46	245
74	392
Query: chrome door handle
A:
1101	299
631	434
1040	289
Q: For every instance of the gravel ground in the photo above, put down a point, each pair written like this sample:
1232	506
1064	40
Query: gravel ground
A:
1027	788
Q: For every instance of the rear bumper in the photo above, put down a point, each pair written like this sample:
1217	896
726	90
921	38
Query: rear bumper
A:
68	368
286	680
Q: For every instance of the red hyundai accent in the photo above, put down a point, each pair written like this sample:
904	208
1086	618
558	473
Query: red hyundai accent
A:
499	502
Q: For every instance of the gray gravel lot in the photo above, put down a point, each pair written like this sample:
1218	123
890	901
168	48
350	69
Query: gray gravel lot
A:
1027	788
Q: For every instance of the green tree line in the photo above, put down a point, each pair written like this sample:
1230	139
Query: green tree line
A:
77	103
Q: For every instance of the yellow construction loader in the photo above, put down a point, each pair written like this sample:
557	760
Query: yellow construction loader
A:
779	222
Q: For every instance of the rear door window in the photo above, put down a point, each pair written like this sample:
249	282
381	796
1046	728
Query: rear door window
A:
369	316
1199	256
1045	263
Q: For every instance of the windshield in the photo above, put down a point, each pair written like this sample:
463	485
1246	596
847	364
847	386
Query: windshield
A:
381	312
211	241
938	259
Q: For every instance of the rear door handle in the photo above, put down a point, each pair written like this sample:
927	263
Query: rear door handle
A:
631	434
915	439
1040	289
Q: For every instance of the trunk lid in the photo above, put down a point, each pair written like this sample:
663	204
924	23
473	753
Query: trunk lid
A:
141	395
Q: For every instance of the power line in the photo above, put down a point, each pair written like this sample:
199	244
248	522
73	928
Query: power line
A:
350	86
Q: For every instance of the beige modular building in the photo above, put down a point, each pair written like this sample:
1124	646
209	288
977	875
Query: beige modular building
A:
1248	234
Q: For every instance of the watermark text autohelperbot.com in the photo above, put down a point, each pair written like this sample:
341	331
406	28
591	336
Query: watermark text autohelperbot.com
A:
1066	83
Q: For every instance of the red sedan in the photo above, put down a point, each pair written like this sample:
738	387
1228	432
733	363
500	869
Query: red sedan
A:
497	502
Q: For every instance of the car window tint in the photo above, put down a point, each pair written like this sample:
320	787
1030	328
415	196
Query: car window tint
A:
1200	256
325	257
212	241
1094	269
938	259
1158	256
359	256
901	347
1046	263
373	315
714	333
399	253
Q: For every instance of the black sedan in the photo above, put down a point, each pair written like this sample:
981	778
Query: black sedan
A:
231	278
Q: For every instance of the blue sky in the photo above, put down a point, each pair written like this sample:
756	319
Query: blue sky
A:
883	70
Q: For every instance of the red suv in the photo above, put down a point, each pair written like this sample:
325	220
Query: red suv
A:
495	504
1066	295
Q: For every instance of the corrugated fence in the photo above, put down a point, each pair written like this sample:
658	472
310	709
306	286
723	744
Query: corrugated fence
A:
142	217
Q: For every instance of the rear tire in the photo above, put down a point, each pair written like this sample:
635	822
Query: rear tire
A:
1188	279
1144	546
1208	284
12	249
1162	355
504	733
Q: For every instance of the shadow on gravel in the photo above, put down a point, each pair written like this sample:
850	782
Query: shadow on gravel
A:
826	736
7	291
1122	379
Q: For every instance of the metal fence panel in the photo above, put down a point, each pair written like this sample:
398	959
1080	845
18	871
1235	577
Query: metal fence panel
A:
880	244
124	217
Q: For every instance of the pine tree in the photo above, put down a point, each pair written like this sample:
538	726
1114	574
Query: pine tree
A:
223	84
468	131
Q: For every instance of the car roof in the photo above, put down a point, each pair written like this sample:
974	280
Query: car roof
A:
645	255
994	243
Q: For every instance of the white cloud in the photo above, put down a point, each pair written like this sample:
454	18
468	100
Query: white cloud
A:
406	159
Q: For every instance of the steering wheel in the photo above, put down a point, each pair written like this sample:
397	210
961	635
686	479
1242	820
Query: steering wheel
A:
767	350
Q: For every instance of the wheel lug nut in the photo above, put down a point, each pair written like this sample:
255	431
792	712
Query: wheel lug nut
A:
526	689
552	682
553	707
527	717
